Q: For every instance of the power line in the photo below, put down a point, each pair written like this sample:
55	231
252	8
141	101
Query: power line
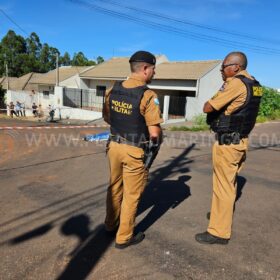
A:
190	23
10	19
177	31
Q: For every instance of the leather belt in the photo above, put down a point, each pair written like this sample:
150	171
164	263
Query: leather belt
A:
121	140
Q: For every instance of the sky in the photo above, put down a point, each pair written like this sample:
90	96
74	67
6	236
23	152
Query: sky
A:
183	30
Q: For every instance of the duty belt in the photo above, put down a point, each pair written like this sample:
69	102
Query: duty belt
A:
229	138
121	140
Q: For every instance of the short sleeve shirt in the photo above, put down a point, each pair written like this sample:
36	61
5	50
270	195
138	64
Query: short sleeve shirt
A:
232	95
149	106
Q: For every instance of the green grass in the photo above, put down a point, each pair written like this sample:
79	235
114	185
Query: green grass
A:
189	128
200	122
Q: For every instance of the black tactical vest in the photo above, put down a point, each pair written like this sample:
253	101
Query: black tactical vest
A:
244	118
125	117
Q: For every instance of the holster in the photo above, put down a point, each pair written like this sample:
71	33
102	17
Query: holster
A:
150	153
228	138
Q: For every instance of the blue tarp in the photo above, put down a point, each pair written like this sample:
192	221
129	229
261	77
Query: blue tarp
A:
97	137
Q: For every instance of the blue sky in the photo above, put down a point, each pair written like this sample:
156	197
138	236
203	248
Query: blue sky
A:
74	26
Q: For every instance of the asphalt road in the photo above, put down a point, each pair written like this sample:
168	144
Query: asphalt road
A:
52	206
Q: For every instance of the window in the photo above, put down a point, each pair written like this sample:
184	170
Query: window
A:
46	94
100	90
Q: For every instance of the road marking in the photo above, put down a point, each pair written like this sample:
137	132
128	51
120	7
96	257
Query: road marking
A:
50	127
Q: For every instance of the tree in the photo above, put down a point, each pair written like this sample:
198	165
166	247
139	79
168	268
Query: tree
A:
52	58
12	48
79	59
99	59
33	45
65	60
44	58
30	55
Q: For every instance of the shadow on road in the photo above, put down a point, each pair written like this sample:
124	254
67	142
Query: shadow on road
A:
91	247
51	161
163	195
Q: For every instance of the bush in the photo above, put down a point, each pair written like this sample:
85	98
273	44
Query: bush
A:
200	120
270	104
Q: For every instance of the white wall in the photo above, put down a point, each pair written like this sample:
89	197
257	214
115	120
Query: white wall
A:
182	84
28	98
77	114
72	82
71	113
55	99
48	88
208	85
107	83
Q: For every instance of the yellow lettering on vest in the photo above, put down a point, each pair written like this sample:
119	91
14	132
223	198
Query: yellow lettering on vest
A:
122	107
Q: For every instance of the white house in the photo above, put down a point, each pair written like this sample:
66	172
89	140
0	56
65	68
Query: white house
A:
182	87
39	88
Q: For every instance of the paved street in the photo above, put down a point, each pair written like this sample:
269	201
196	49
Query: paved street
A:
52	206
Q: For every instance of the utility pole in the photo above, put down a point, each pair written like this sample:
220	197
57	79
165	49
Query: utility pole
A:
7	76
57	71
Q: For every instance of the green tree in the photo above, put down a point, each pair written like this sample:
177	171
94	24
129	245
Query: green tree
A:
79	59
30	55
99	59
52	58
270	103
65	60
44	58
33	45
12	48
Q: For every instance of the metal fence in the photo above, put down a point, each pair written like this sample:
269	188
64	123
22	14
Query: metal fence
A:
87	99
177	107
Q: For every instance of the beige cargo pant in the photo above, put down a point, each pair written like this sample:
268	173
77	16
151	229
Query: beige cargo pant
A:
227	163
128	179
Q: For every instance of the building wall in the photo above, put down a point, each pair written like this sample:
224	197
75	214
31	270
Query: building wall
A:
48	88
106	83
72	82
65	112
208	85
28	98
174	83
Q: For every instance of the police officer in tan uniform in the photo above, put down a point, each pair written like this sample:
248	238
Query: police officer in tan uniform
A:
232	114
133	112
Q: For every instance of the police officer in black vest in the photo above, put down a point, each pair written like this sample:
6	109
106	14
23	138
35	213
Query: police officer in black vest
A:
232	114
133	112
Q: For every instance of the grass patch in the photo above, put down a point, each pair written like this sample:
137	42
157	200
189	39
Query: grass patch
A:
199	124
189	128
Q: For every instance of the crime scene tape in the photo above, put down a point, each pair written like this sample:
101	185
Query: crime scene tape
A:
50	127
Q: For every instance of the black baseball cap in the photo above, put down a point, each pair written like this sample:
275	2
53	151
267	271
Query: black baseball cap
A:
143	56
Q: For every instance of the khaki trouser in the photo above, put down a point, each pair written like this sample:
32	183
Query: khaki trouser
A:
227	162
127	182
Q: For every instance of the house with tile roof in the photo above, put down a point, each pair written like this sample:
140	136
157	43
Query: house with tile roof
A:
45	82
182	86
40	87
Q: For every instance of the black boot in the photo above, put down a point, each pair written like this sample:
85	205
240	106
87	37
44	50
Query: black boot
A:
207	238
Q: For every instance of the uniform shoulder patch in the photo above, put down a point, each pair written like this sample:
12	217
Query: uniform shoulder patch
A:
156	101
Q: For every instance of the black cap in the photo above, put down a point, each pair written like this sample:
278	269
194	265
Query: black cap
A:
143	56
